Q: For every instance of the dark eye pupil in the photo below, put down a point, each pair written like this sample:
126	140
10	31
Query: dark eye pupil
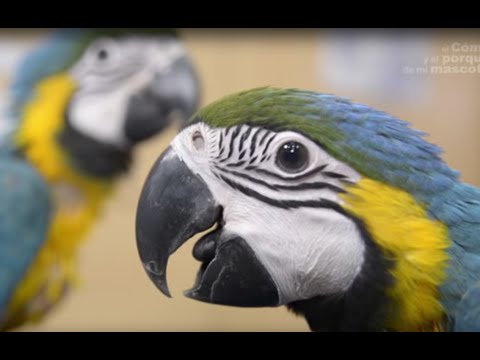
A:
292	157
102	54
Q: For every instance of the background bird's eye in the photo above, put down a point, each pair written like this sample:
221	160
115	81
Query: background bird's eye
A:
102	54
292	157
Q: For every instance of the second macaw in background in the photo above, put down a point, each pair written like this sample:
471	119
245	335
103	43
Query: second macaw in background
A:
80	104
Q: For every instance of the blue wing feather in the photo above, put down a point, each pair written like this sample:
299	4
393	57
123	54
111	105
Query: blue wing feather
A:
25	210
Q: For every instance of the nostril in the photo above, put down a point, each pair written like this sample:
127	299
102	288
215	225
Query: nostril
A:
198	140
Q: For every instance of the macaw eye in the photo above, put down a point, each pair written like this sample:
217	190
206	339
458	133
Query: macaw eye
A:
292	157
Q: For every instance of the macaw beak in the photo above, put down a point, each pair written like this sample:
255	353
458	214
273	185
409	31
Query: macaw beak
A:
176	204
175	89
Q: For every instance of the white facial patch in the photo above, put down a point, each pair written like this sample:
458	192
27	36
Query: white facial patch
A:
293	221
108	74
308	252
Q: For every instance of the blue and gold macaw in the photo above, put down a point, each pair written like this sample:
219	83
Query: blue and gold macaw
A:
341	212
80	103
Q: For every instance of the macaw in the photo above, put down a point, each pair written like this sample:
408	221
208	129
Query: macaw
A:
79	103
341	212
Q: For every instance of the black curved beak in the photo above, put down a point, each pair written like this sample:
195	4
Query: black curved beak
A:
174	89
176	204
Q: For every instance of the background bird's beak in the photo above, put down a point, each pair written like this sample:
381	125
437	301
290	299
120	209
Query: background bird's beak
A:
176	204
174	89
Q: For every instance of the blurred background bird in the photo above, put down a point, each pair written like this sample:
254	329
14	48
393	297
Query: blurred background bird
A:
79	103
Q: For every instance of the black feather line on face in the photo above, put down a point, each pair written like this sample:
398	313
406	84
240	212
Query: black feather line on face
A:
334	175
303	186
264	152
364	306
284	204
232	142
252	160
242	154
227	130
244	138
253	142
220	143
264	137
238	164
293	178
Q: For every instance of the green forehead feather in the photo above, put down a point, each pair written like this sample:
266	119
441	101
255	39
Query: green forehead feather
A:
276	109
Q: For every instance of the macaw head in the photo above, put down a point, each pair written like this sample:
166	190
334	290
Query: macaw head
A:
101	91
312	201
